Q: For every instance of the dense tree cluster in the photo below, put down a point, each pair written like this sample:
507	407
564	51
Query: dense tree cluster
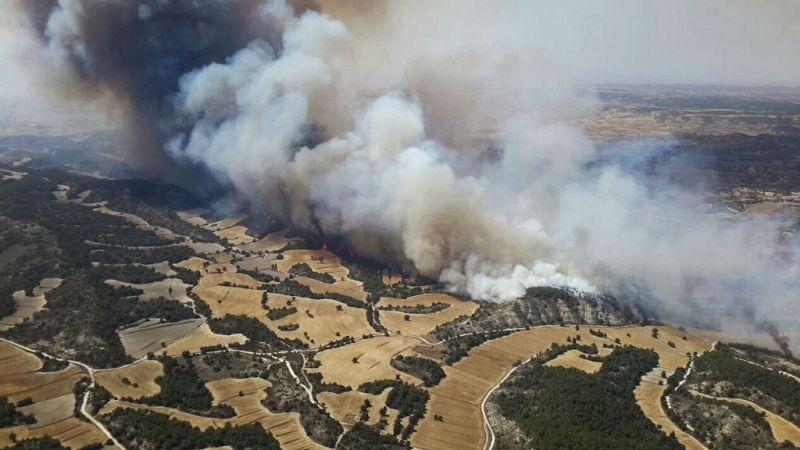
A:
134	274
182	388
556	407
411	401
280	313
721	425
304	270
285	395
148	429
425	369
364	437
721	373
9	416
417	309
42	443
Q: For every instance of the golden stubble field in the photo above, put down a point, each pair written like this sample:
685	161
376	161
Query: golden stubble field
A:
284	426
141	377
52	395
373	356
459	396
423	324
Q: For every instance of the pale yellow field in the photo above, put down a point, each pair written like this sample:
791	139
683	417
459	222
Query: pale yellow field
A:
27	306
232	300
209	248
194	263
193	217
235	235
202	337
40	385
572	359
236	279
423	324
169	288
648	395
226	222
51	410
258	263
71	432
346	407
321	261
284	426
52	396
458	397
162	268
272	242
782	429
14	361
152	335
318	287
327	320
373	361
11	174
143	373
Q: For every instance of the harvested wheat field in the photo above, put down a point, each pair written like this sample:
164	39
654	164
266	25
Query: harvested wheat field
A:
458	397
572	359
423	324
169	288
284	426
27	306
152	335
61	193
346	407
259	263
162	268
232	300
71	432
208	248
373	356
141	377
11	174
648	396
40	385
51	410
203	337
668	357
272	242
320	319
14	360
321	261
782	429
195	264
193	217
52	395
232	278
318	287
235	235
227	222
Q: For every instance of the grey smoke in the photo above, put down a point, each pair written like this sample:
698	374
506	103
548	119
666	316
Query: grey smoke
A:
408	98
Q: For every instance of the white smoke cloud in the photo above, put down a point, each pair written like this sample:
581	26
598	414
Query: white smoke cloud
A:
410	94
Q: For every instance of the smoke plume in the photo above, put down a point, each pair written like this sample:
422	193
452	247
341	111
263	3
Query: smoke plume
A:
432	134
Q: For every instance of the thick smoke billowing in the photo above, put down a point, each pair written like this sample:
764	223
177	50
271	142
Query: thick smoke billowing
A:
375	125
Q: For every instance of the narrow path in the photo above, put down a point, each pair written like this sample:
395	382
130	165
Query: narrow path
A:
487	427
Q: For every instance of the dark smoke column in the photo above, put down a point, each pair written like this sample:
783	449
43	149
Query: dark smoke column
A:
137	50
